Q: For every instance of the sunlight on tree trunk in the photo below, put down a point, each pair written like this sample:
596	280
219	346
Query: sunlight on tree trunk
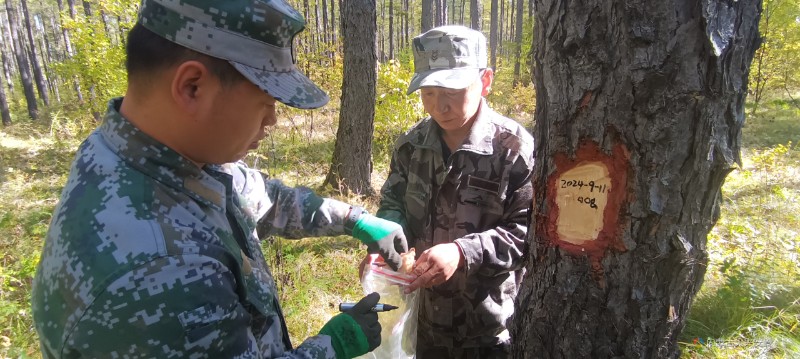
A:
639	110
351	165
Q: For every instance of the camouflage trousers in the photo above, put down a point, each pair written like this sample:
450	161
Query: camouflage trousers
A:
428	350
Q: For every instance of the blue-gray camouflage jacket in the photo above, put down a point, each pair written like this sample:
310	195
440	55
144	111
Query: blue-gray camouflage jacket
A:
150	256
478	198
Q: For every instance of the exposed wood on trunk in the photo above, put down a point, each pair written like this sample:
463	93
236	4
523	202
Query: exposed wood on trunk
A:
667	101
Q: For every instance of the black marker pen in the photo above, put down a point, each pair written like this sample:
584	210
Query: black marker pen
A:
380	307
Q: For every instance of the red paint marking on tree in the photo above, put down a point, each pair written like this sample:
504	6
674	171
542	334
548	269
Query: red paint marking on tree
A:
588	157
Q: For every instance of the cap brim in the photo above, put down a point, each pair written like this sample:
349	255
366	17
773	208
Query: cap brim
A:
448	78
291	88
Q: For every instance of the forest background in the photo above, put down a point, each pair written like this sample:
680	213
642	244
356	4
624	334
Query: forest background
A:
62	61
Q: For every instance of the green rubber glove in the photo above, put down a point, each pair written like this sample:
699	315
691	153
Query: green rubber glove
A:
381	236
357	331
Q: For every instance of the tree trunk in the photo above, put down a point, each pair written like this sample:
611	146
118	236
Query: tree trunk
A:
501	25
325	33
633	143
381	33
441	11
5	113
38	75
493	35
426	17
333	22
22	62
351	164
7	46
405	23
391	29
475	12
518	41
87	9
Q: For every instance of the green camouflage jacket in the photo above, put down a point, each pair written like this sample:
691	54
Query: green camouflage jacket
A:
479	198
149	256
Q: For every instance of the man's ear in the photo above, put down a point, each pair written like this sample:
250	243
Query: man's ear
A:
192	85
486	81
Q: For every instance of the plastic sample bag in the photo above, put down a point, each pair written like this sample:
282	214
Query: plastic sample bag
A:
399	326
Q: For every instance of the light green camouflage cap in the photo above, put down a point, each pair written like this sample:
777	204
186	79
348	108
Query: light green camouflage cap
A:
255	36
448	56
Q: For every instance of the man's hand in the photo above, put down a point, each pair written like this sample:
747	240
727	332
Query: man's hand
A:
436	266
381	236
368	320
357	331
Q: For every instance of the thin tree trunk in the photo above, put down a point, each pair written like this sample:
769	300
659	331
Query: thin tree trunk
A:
442	12
22	62
333	22
351	164
391	29
475	14
5	113
518	42
381	33
87	9
493	38
7	71
5	47
463	9
38	75
426	17
633	144
405	23
73	13
501	26
325	33
52	80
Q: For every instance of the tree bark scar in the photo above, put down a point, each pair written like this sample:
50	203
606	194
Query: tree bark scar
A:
587	195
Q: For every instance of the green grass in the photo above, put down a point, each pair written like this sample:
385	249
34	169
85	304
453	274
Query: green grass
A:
747	307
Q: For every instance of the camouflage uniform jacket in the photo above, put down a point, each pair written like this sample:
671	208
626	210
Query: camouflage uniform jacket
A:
478	198
149	256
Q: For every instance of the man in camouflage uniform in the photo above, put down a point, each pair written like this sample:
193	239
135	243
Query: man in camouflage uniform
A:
460	185
153	250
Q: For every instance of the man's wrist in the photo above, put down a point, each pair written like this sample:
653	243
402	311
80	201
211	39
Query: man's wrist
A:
353	215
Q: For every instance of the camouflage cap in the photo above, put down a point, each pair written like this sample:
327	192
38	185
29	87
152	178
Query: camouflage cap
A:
448	56
255	36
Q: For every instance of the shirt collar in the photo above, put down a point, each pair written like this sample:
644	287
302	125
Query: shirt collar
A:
146	154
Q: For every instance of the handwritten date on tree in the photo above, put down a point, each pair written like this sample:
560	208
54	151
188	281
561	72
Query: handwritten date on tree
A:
582	196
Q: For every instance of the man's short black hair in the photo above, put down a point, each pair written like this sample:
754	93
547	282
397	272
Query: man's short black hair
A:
148	53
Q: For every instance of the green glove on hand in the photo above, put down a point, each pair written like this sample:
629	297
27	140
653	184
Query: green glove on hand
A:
357	331
381	236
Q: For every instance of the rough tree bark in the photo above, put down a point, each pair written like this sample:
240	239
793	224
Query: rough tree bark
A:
22	62
38	75
639	110
351	164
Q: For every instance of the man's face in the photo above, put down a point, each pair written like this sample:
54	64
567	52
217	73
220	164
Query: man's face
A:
454	109
236	121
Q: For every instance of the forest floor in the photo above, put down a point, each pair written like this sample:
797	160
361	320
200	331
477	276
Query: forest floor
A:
748	307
